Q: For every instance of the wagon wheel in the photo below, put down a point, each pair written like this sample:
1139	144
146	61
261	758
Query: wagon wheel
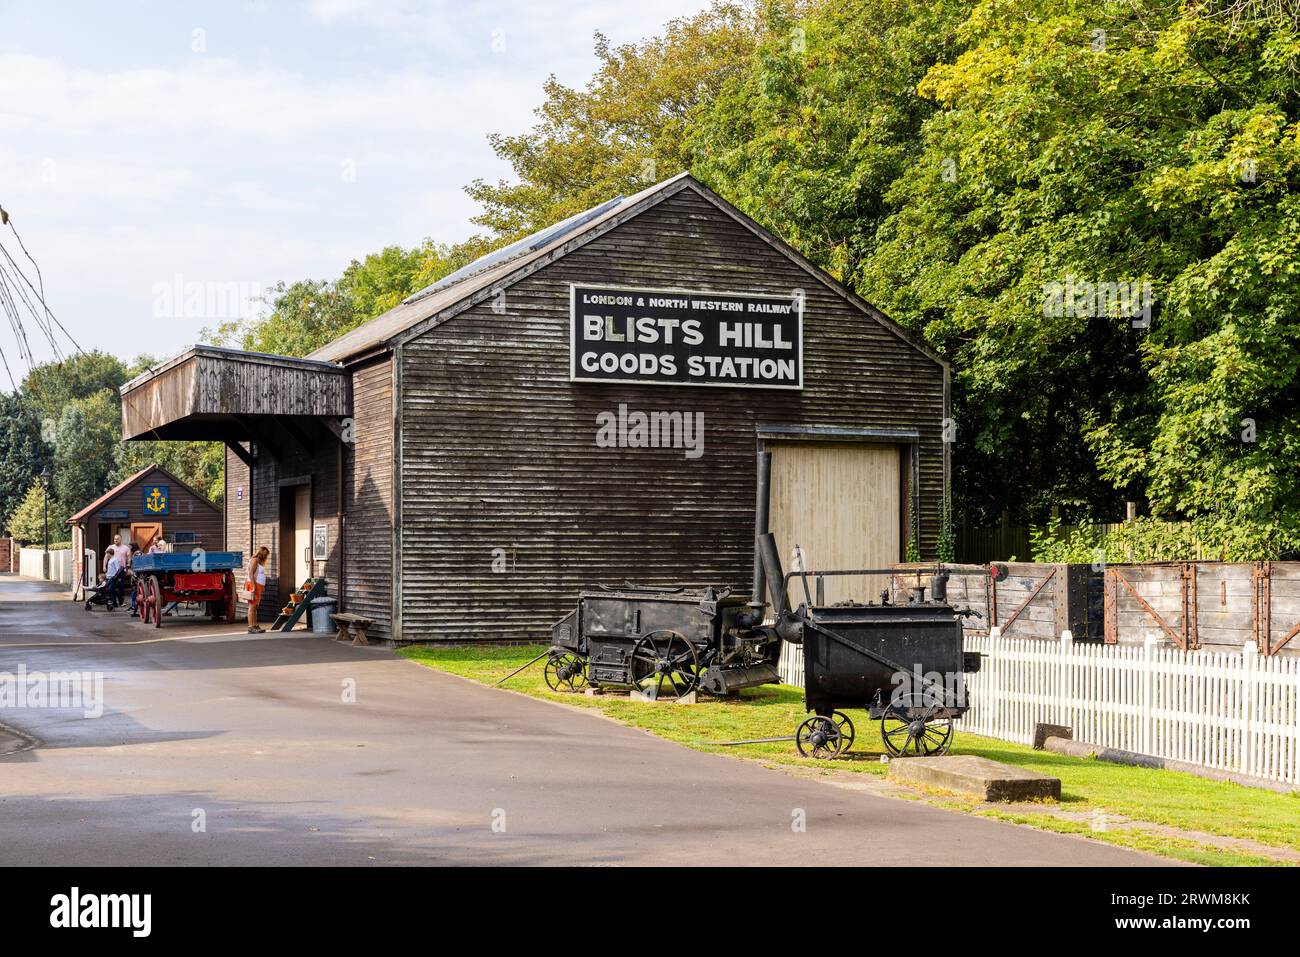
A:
846	730
565	671
664	661
228	583
910	726
142	599
155	601
824	737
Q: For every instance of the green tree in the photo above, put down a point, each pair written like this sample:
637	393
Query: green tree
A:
52	385
306	314
26	522
201	465
1102	143
809	138
86	441
628	129
23	453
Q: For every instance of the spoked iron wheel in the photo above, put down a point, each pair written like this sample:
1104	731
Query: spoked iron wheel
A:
664	662
155	601
228	602
824	736
911	727
565	672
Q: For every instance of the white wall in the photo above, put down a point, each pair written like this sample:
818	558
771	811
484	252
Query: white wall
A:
31	564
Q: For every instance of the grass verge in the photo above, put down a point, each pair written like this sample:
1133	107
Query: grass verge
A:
1163	812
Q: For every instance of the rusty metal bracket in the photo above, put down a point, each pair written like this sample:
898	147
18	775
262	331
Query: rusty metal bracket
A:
1176	638
1110	607
1263	578
1025	604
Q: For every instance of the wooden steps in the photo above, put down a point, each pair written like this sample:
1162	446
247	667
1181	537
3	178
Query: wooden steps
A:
299	603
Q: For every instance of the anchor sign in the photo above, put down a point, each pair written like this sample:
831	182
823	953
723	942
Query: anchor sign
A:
156	498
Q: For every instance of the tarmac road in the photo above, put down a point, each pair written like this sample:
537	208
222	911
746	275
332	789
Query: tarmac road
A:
252	737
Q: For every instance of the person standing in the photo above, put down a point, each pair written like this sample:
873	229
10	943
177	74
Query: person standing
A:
130	564
116	550
114	573
254	583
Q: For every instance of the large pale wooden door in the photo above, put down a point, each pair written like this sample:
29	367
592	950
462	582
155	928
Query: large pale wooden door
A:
302	534
842	505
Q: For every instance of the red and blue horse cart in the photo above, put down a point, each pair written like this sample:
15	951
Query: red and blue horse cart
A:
162	578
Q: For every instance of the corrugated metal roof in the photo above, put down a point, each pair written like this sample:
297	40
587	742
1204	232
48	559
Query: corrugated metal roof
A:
479	275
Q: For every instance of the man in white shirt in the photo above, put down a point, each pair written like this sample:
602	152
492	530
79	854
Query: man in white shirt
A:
116	550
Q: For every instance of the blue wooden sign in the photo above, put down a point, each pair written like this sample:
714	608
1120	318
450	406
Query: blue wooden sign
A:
111	513
156	499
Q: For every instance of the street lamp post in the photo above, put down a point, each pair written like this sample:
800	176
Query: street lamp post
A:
45	510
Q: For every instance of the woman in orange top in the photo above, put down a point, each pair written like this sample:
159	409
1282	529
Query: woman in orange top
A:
256	582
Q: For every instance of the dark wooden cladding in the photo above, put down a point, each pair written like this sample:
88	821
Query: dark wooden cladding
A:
238	530
368	564
508	506
261	487
203	384
260	497
360	542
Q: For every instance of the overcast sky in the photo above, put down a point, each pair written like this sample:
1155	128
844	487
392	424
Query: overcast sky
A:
149	146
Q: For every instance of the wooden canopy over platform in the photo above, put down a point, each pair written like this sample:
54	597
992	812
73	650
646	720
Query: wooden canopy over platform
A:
226	395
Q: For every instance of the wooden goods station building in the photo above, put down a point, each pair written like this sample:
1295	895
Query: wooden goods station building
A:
581	407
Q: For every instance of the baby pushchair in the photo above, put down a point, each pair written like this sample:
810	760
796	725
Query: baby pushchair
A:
107	593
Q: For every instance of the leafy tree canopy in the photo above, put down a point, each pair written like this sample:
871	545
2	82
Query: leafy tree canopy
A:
23	453
306	314
26	522
628	129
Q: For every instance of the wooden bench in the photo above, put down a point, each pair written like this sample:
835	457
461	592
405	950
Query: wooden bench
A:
352	626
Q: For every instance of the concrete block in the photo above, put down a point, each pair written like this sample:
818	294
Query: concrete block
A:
976	777
1044	731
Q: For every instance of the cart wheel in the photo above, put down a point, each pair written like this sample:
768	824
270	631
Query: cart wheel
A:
910	726
665	662
155	600
822	737
565	671
845	728
229	603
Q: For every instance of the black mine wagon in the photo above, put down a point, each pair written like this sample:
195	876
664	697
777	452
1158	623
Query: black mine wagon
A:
903	663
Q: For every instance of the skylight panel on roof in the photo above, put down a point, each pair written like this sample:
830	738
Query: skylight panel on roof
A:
528	244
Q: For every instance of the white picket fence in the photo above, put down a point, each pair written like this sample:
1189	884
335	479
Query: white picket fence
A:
1231	711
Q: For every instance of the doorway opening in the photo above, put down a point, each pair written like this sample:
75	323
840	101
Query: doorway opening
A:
295	536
